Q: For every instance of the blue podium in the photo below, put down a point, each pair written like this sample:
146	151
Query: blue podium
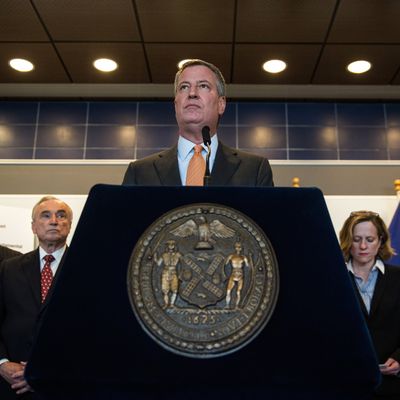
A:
315	346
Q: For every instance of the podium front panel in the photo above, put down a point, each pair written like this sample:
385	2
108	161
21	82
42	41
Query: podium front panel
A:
316	339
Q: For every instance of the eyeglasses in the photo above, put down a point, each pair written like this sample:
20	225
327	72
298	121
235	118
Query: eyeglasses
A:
363	213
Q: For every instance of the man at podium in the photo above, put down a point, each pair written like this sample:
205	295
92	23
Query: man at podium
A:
199	104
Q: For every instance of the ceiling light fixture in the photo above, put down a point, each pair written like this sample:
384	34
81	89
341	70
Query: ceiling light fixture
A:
180	63
21	65
359	67
105	65
274	66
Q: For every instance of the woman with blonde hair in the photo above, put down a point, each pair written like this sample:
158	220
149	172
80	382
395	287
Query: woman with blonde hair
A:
365	243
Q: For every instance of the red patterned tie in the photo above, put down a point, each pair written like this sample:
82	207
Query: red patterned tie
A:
196	168
47	276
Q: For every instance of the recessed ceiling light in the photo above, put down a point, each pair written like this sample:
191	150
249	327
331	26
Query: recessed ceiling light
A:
274	66
180	63
21	65
359	67
105	64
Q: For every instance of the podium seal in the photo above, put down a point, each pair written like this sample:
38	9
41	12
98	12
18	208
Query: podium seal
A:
203	280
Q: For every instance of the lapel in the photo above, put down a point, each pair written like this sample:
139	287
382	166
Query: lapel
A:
166	166
31	269
378	292
226	163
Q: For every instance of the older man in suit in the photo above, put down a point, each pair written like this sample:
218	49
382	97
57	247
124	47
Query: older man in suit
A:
25	284
199	102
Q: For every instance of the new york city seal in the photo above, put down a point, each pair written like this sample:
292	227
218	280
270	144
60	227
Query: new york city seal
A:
203	280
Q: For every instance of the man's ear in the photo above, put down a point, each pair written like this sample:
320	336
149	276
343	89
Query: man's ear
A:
221	104
33	227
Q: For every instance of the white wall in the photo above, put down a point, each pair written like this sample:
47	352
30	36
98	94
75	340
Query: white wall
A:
340	207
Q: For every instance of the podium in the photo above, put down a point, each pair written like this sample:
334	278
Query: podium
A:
315	346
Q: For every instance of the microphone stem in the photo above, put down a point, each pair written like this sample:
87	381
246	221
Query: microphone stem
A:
207	175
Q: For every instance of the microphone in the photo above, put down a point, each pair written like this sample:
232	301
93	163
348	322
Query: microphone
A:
206	135
205	132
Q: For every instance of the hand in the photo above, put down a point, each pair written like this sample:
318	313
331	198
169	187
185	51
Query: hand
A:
391	367
21	385
8	369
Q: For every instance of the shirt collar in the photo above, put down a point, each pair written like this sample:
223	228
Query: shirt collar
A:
185	146
56	254
378	265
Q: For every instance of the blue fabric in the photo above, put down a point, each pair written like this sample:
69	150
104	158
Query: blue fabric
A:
367	288
394	230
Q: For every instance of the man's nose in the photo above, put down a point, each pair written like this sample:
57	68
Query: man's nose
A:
53	219
193	92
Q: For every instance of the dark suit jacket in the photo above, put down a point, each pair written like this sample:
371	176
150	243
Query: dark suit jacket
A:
384	323
20	306
232	167
5	253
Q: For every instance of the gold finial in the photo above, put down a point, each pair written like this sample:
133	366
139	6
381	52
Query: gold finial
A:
296	182
397	185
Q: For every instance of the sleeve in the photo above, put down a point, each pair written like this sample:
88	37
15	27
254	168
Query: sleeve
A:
396	355
264	177
129	177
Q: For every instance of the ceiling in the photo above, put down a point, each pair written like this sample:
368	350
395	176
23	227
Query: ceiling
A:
317	39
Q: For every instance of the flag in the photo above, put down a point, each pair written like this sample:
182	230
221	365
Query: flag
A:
394	230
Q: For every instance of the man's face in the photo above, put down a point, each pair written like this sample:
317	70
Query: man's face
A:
197	102
52	222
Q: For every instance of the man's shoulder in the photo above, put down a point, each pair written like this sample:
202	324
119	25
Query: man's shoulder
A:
19	260
6	252
240	153
234	167
150	159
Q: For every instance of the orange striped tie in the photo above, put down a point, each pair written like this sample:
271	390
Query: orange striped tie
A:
196	168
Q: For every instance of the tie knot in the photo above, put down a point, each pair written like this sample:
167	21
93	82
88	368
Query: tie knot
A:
198	148
48	258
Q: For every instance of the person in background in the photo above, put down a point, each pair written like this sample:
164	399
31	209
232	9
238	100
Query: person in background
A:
25	284
199	102
365	242
6	252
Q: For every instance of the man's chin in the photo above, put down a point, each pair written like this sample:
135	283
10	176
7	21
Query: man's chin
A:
54	238
193	119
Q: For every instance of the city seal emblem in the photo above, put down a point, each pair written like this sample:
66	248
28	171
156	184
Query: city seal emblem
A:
203	280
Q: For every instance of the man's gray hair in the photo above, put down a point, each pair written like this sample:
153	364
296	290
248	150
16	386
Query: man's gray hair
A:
221	87
47	198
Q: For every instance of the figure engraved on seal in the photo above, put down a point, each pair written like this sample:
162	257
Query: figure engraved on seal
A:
169	278
237	261
203	280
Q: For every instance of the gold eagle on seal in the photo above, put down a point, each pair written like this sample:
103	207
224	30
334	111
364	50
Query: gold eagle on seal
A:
205	231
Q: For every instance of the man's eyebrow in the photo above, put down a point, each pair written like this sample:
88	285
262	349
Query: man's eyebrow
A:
55	212
198	81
